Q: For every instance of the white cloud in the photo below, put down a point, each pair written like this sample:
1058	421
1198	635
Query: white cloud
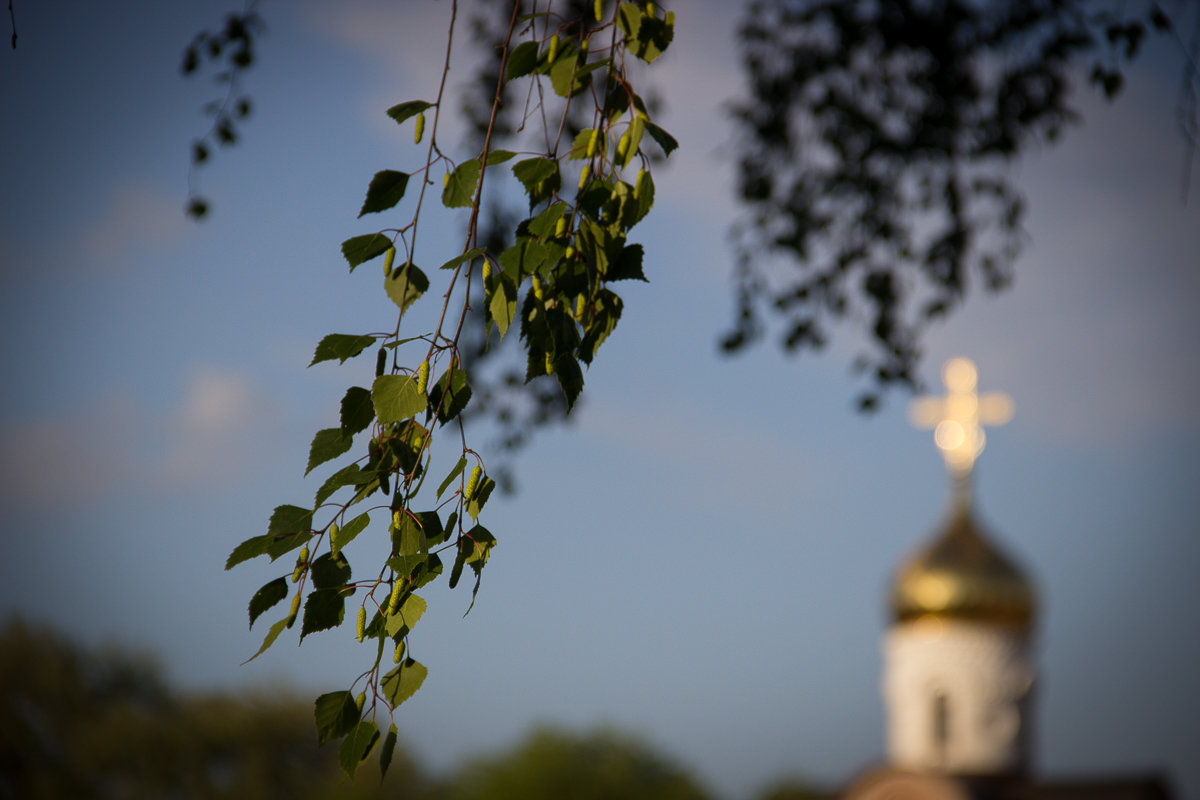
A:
136	218
217	431
111	444
72	457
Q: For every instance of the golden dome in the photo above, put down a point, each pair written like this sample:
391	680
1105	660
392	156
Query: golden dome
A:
962	575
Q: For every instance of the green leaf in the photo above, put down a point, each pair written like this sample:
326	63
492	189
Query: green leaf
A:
431	527
403	111
405	284
503	303
646	36
450	395
396	398
634	132
460	189
579	147
481	543
522	60
329	443
330	571
403	681
336	714
540	177
360	249
454	473
386	189
407	616
289	519
570	377
357	410
324	609
254	546
408	540
389	748
357	745
272	635
665	140
474	252
542	226
286	542
565	76
341	346
628	265
418	569
349	475
605	312
353	528
482	493
270	594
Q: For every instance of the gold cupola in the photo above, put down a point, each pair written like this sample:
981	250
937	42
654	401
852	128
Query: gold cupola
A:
962	575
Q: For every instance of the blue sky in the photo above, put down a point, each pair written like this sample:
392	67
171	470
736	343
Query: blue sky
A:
702	555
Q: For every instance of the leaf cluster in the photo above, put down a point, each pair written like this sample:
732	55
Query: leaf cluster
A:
552	283
874	145
230	51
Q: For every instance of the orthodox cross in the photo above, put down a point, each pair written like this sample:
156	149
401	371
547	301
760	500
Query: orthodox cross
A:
958	418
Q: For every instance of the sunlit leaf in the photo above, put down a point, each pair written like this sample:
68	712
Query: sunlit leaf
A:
403	681
396	398
405	284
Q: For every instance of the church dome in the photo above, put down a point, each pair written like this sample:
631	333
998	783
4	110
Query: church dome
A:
962	575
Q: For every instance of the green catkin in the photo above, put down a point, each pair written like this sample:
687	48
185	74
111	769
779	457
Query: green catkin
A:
380	362
388	258
473	481
538	291
592	140
423	377
487	270
296	573
398	654
334	545
580	305
560	227
360	629
396	520
420	131
360	701
583	176
569	253
295	610
394	599
623	145
599	10
552	51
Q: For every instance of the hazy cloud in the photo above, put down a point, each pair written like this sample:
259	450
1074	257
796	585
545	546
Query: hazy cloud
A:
136	218
113	444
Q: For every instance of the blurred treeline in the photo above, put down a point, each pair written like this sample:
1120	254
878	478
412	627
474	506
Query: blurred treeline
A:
82	724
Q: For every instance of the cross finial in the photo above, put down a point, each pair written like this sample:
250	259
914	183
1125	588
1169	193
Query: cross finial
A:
958	417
